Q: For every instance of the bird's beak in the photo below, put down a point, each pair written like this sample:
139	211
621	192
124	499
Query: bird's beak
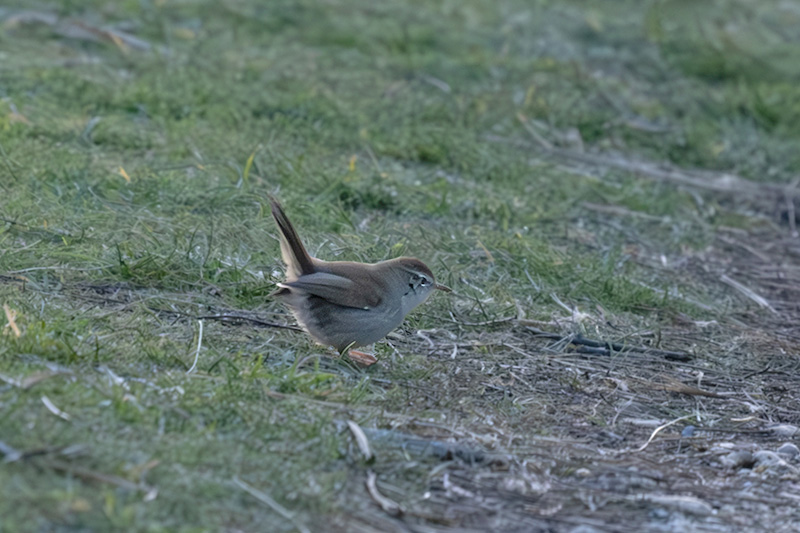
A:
441	287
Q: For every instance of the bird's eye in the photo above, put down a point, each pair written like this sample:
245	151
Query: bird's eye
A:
423	282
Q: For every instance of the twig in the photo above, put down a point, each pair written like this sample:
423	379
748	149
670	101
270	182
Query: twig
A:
602	347
265	498
484	323
682	388
232	318
444	451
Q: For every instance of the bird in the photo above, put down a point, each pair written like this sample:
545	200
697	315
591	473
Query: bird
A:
347	304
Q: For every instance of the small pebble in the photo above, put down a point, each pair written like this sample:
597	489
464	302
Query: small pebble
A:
737	459
787	449
684	504
783	430
766	458
584	529
688	431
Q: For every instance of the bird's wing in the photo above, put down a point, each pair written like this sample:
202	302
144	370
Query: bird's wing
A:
335	289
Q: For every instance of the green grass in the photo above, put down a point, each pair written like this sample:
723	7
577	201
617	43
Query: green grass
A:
134	191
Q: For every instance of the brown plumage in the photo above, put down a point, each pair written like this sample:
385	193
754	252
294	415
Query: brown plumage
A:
346	304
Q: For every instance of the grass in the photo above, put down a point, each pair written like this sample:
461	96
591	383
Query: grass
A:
134	181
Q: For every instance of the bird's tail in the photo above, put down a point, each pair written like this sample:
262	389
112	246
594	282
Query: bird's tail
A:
294	254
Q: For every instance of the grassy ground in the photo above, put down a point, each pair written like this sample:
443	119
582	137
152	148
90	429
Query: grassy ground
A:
620	171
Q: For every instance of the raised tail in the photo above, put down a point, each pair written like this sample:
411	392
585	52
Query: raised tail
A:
294	254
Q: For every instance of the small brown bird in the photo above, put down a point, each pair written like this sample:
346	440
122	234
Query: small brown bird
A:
346	304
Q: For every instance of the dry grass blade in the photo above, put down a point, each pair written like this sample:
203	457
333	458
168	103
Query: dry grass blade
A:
389	506
199	345
11	316
93	475
682	388
659	429
705	180
265	498
361	440
619	211
77	29
53	409
749	293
